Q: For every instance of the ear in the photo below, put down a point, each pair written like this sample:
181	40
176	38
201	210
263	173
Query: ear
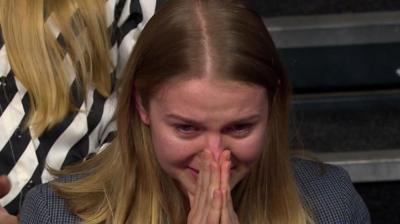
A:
143	114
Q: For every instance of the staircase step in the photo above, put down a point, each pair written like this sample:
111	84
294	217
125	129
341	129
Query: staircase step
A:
367	166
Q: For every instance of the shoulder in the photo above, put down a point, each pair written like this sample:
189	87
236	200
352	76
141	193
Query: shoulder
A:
309	170
329	193
42	205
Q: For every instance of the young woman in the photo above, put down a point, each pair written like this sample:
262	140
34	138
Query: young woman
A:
202	135
58	60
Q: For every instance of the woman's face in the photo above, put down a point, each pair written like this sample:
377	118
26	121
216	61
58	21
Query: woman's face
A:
190	116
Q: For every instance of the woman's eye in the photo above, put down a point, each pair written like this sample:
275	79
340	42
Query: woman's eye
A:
186	129
240	130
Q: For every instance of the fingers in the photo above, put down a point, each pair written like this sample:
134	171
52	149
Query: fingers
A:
215	179
203	182
225	169
206	204
203	201
5	185
215	211
212	201
225	189
6	218
228	214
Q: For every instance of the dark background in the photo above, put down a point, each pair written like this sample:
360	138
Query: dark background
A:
272	8
359	119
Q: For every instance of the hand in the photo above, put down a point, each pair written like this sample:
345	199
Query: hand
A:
5	185
228	214
5	217
206	203
212	203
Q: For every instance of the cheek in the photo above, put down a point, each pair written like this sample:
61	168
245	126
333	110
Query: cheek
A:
171	151
248	150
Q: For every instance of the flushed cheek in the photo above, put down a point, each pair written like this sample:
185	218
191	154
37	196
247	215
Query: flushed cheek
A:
173	152
248	151
245	154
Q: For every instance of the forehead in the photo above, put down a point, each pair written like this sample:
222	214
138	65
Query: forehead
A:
205	98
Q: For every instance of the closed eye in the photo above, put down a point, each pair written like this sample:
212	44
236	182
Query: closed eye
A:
186	129
239	130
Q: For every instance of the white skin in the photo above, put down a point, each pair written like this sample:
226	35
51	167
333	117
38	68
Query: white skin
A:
207	134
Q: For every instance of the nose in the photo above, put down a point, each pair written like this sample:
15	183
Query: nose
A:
215	144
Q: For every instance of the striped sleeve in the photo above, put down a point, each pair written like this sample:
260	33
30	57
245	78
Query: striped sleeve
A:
131	17
25	159
126	19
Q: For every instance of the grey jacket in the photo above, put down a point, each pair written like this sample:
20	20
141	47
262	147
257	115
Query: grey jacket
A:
327	191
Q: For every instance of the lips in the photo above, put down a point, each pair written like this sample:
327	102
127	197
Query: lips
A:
193	169
194	172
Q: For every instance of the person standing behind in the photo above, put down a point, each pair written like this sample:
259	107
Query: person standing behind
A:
59	61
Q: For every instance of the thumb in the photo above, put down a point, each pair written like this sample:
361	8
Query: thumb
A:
5	185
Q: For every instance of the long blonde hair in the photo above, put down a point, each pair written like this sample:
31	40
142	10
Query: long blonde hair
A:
125	184
39	60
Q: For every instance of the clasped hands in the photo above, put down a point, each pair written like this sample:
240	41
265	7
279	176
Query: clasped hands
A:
212	203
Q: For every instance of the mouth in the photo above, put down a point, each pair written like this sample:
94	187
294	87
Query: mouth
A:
193	172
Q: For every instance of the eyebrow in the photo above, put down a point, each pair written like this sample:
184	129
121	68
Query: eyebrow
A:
250	118
181	118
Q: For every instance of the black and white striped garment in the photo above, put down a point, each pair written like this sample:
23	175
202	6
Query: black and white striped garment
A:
24	159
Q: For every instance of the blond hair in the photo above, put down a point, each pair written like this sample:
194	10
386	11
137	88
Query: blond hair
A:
125	184
40	62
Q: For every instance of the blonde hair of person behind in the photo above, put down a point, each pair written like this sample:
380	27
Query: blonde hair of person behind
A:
125	184
38	59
